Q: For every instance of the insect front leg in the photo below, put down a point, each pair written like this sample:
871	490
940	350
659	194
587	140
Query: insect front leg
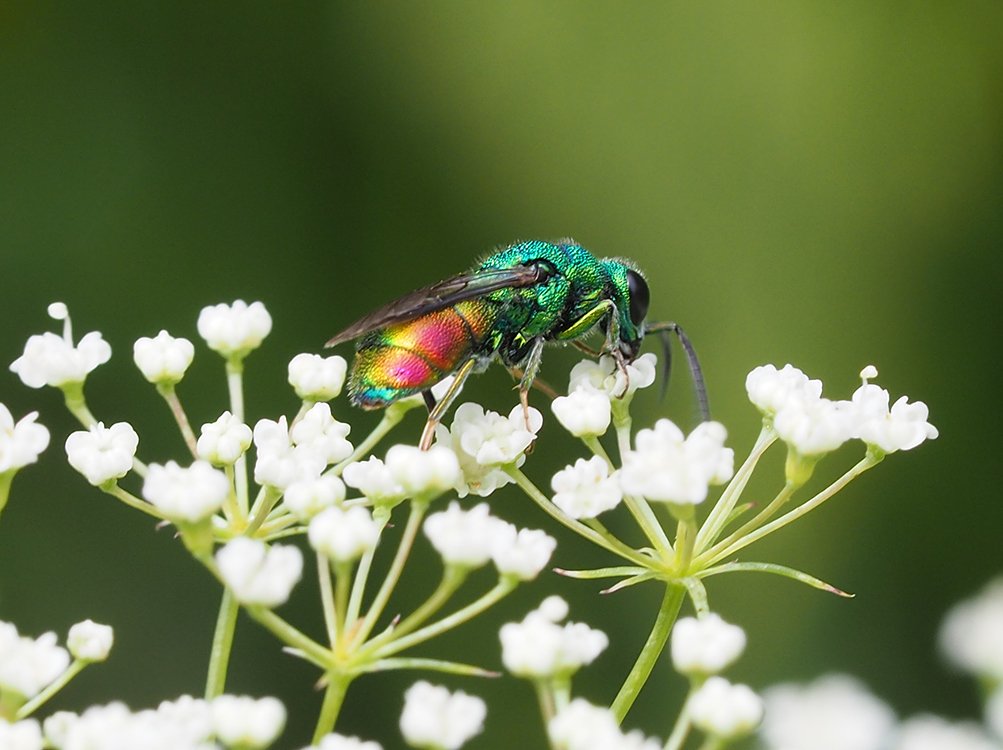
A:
585	323
439	409
530	367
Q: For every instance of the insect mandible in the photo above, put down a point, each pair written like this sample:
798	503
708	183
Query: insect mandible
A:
511	304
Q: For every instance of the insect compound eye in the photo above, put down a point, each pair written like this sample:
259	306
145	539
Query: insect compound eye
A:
640	297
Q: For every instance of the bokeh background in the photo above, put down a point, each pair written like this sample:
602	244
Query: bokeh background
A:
817	183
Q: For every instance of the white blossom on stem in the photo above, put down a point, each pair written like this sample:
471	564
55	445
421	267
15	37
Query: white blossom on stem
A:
241	721
308	497
27	665
317	378
183	724
343	534
222	442
257	574
928	732
586	489
373	479
163	359
584	412
606	376
771	389
436	719
102	453
49	359
540	647
21	735
279	462
814	426
523	555
666	466
189	494
234	330
320	432
582	726
834	712
970	635
705	646
21	442
467	537
902	427
90	641
423	474
725	710
340	742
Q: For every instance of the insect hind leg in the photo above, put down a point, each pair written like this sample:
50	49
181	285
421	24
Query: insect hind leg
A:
437	410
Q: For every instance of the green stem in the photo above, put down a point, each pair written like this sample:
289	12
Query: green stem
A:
222	645
545	698
391	418
452	578
262	507
681	728
685	537
132	501
327	598
638	507
652	649
334	697
343	582
170	395
51	689
290	635
382	517
394	574
534	493
764	515
235	387
5	480
718	551
231	506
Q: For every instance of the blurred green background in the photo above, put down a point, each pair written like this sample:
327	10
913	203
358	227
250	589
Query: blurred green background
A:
817	183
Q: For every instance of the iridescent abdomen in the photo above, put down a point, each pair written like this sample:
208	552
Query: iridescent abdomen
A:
412	356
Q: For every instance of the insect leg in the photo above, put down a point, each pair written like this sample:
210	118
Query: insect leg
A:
664	329
539	383
429	400
583	347
531	367
584	324
436	414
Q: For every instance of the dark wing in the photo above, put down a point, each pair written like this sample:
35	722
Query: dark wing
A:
441	295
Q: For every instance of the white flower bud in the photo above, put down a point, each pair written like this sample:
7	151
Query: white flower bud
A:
435	718
423	474
771	389
927	732
27	665
163	359
466	537
90	641
186	494
308	497
240	721
994	712
51	360
222	442
257	574
340	742
724	710
279	463
585	412
102	453
813	426
373	479
21	443
970	636
705	646
343	535
492	439
317	378
21	735
523	555
903	427
582	726
586	489
606	375
539	647
319	431
234	330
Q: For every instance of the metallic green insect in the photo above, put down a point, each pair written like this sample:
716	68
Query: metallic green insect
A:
508	307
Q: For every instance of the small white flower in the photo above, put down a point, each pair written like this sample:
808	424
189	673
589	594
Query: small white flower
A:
725	710
319	431
832	713
21	443
373	479
582	726
184	724
466	537
308	497
247	722
222	442
585	412
934	733
994	712
814	426
540	647
971	637
234	330
29	664
186	494
340	742
258	574
317	378
902	427
607	377
163	359
705	646
102	453
423	474
586	489
279	463
771	389
436	719
49	359
21	735
523	555
667	467
90	641
342	534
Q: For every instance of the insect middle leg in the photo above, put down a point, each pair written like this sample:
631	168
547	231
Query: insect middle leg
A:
440	408
530	367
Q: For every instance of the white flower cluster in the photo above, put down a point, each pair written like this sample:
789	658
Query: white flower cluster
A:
436	719
586	489
90	641
287	455
972	634
102	454
813	425
224	441
539	647
28	665
724	710
317	378
20	442
184	724
341	742
52	360
186	494
258	574
582	726
587	409
163	359
928	732
705	645
234	330
469	538
21	735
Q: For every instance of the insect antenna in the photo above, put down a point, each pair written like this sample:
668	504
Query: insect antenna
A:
664	329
